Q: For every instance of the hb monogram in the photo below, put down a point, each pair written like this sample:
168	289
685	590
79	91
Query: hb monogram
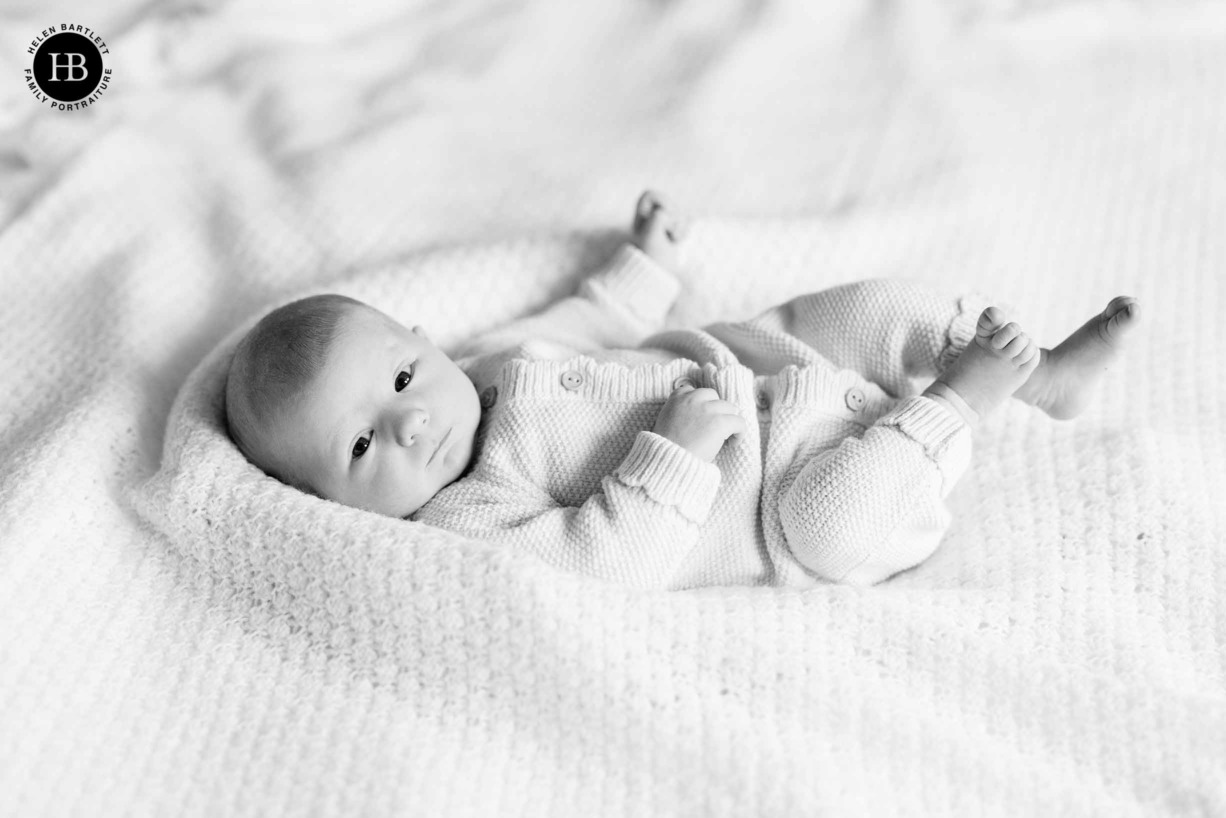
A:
69	70
72	66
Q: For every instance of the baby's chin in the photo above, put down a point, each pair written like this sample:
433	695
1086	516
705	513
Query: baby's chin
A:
457	461
407	511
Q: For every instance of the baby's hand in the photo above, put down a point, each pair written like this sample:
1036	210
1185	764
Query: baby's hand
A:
698	421
656	230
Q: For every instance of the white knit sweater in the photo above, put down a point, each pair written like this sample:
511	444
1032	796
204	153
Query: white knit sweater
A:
842	478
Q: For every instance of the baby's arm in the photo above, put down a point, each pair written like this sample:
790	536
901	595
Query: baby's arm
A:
635	530
872	506
642	522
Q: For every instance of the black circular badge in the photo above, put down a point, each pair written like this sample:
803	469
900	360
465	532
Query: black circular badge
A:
67	67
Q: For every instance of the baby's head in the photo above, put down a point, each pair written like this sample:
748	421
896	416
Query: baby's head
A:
335	398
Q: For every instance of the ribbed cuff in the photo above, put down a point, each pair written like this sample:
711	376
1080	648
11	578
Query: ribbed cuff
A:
945	437
962	328
634	280
671	475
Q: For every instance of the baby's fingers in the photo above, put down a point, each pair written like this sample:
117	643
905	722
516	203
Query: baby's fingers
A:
701	394
714	404
733	422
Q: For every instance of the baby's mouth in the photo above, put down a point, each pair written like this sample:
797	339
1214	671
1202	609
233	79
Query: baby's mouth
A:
439	448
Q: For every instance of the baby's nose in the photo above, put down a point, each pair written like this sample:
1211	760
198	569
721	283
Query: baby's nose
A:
409	424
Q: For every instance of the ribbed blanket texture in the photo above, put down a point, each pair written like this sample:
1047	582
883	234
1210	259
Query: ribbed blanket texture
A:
180	635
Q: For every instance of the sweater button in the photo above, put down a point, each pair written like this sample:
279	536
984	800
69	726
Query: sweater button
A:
572	380
488	395
855	399
762	400
680	382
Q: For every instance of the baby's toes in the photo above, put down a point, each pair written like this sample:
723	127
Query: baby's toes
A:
1029	358
1006	335
990	320
1121	313
1121	303
652	230
1016	348
649	204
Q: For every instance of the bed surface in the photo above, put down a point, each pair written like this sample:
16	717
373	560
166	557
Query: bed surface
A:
1064	651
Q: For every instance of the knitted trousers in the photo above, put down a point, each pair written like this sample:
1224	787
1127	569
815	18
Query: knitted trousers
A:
862	506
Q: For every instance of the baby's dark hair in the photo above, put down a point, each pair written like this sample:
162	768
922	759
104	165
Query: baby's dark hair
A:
274	362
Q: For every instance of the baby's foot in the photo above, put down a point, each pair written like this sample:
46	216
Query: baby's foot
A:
1064	382
990	369
656	231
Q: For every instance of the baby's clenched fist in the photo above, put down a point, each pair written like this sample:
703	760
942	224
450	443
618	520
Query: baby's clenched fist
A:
699	421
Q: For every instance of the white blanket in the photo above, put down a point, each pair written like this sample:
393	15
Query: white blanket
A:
179	635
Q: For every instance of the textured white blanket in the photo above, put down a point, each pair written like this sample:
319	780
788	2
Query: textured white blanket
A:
202	641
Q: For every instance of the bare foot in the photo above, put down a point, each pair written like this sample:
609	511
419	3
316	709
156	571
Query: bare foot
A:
656	230
989	370
1065	380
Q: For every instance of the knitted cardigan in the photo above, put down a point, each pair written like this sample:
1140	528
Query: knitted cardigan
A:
840	478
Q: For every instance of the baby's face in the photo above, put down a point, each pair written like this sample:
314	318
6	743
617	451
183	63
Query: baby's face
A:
389	421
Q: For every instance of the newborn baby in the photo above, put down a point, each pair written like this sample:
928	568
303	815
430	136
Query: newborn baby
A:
787	449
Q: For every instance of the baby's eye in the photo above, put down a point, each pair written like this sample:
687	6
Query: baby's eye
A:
360	447
402	380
